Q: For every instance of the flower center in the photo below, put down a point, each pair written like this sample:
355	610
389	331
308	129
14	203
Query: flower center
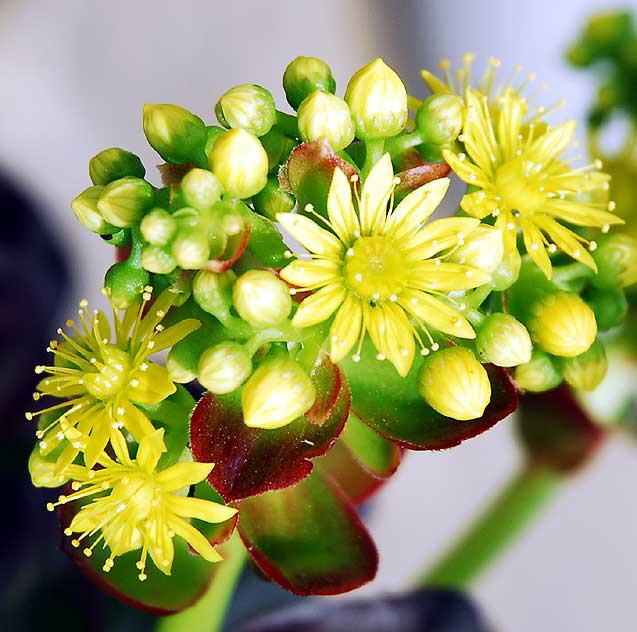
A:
375	269
519	183
111	376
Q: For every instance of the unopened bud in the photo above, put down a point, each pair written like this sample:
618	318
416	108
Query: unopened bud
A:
261	298
538	374
303	76
201	188
182	360
504	341
213	291
191	248
616	259
176	134
609	306
440	117
248	106
240	162
224	367
114	163
586	371
158	227
276	394
157	260
454	383
124	202
563	324
377	100
324	116
483	248
125	284
84	207
273	199
507	273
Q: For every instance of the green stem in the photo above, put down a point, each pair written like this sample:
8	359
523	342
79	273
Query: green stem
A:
494	530
373	153
208	614
399	144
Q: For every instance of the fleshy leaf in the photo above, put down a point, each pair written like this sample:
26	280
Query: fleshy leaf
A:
308	173
251	461
556	431
216	533
415	177
392	406
308	538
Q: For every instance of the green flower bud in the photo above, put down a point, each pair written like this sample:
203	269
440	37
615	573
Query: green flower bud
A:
538	374
586	371
84	207
158	227
201	189
482	248
240	162
182	360
440	117
504	341
191	249
113	164
213	291
124	202
563	324
272	199
303	75
261	298
324	116
377	100
213	132
157	260
276	394
248	106
616	259
454	383
224	367
176	134
507	273
609	306
125	284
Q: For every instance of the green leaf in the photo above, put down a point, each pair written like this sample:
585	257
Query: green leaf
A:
308	538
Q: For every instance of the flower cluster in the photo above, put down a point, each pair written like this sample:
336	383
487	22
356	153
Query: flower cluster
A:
410	321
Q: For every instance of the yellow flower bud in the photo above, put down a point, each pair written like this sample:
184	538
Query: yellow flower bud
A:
224	367
538	374
277	393
586	371
261	298
324	116
201	189
507	273
377	100
84	207
440	117
124	201
157	260
454	383
563	324
248	106
240	162
482	248
616	259
504	341
213	291
158	227
191	249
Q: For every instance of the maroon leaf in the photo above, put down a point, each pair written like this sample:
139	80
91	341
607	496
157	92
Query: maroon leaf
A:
415	177
556	431
251	461
308	538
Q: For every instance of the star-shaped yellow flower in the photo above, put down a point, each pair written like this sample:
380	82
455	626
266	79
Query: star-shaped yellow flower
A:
381	270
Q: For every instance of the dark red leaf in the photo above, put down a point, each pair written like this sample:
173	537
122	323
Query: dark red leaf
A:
415	177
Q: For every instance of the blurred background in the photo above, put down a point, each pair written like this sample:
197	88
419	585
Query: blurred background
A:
74	76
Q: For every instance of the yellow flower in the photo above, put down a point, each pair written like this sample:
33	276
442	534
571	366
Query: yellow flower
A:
137	507
381	272
516	162
101	375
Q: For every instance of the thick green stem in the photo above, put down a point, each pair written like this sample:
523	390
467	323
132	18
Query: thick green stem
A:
208	614
494	530
373	153
399	144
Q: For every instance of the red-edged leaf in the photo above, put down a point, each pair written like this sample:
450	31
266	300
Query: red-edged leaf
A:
409	159
216	533
172	174
308	173
235	246
392	406
556	431
415	177
250	461
308	538
159	594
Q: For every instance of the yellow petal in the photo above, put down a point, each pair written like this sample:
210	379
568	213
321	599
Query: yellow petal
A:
447	277
195	538
200	509
98	438
400	346
565	240
135	421
160	546
440	235
150	450
183	474
580	214
340	208
508	226
534	245
346	327
151	386
310	274
320	306
375	196
552	143
433	83
437	314
479	204
172	335
465	169
310	235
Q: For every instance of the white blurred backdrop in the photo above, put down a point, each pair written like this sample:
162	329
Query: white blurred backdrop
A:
74	75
